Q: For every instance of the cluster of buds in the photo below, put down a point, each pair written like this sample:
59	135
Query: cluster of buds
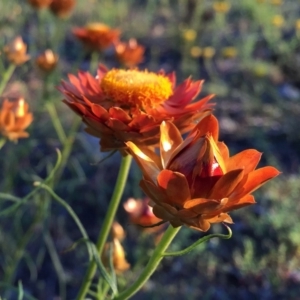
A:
14	119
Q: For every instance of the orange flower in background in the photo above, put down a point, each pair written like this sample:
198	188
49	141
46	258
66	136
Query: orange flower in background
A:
16	51
14	119
130	54
118	256
129	105
97	36
62	8
194	182
140	212
47	61
38	4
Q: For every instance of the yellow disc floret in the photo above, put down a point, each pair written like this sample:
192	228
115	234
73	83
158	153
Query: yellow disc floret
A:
133	88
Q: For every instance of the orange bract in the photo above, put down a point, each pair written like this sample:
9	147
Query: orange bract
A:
14	119
117	106
195	182
97	36
130	54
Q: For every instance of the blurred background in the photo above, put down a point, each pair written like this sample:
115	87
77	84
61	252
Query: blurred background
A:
248	54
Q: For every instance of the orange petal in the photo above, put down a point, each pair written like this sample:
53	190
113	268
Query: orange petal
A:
223	217
254	180
170	138
175	185
186	214
245	201
148	166
153	192
246	160
223	150
207	125
226	184
201	205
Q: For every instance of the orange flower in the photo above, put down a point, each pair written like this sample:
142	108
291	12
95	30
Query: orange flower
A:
47	61
129	105
14	119
97	36
195	182
16	51
118	256
38	4
130	54
140	212
62	8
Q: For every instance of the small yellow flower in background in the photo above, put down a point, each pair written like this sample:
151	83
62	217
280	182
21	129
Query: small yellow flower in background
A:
97	36
278	21
221	6
38	4
47	61
62	8
130	54
14	119
196	51
229	52
189	35
208	52
16	51
276	2
260	70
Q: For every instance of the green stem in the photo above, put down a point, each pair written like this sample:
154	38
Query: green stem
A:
106	226
153	263
2	142
6	76
50	106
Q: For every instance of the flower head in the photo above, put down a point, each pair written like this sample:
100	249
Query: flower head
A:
130	54
221	6
14	119
195	182
62	8
140	212
118	256
97	36
16	51
47	61
129	105
38	4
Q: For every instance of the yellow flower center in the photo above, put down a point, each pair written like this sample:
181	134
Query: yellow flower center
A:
134	88
97	27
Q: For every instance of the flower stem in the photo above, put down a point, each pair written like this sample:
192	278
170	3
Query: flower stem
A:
6	76
154	261
106	226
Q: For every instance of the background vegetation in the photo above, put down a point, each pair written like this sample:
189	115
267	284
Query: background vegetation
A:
248	53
